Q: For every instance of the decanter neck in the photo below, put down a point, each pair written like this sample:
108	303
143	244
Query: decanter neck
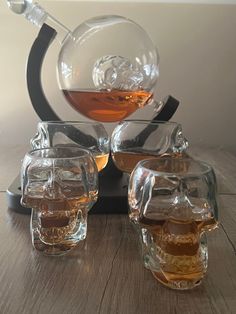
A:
34	13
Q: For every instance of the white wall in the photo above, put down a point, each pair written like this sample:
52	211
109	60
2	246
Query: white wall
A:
197	46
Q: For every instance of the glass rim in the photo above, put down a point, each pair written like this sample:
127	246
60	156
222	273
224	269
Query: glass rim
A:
147	121
207	168
32	153
71	122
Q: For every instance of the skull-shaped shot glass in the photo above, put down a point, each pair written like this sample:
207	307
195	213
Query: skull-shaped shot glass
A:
135	140
60	184
85	134
172	205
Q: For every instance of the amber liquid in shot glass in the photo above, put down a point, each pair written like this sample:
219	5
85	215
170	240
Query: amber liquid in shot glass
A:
181	252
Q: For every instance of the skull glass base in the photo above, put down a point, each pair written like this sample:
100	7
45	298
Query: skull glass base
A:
172	205
174	254
58	232
60	184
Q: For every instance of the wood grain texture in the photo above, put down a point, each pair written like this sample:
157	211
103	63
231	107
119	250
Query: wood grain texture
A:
227	217
105	274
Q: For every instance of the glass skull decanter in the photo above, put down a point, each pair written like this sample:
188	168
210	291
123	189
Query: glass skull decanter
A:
107	67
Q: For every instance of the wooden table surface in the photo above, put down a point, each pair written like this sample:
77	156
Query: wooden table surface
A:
105	274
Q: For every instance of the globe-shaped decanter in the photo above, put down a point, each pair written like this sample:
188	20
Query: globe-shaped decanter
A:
108	68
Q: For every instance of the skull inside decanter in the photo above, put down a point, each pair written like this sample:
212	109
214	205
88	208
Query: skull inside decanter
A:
107	67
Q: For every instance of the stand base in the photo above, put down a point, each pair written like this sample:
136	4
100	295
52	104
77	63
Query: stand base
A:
112	196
